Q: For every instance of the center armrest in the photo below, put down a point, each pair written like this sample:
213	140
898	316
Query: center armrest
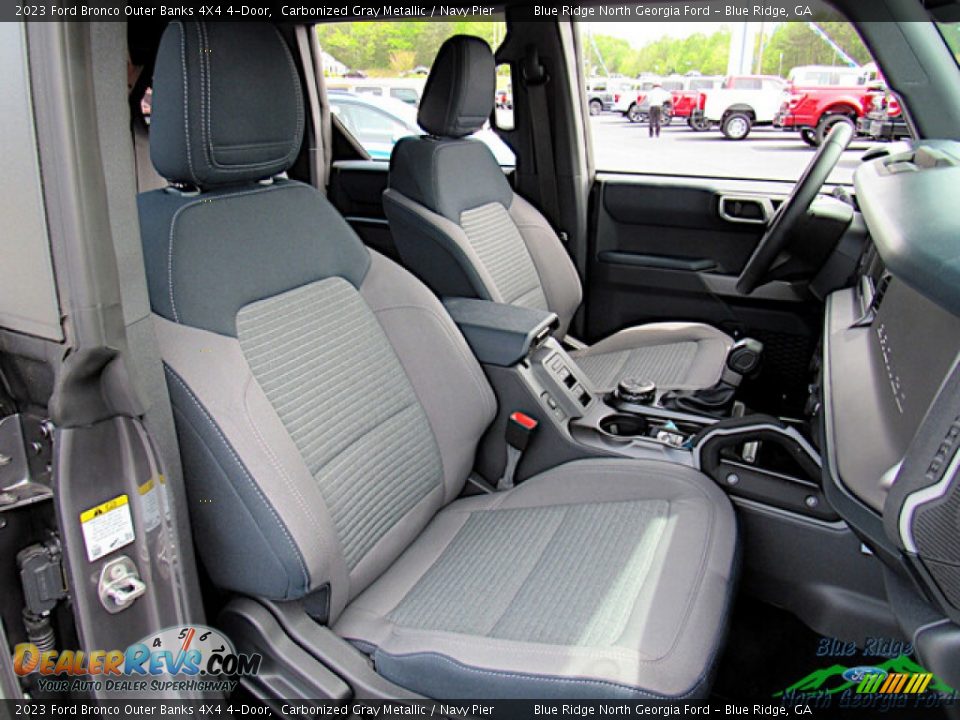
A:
500	334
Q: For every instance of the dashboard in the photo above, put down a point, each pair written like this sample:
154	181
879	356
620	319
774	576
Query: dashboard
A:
890	385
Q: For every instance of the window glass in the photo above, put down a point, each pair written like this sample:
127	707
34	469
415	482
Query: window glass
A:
405	94
951	35
743	100
375	73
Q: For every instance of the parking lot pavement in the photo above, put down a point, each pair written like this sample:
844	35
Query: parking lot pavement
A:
767	153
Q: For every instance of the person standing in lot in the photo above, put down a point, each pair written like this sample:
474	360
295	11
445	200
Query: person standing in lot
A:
657	98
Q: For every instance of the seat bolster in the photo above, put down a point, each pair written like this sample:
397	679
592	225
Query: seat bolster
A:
445	375
673	632
558	275
261	475
437	250
706	365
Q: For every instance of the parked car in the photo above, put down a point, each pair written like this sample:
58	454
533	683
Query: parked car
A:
883	117
378	123
742	102
814	110
406	90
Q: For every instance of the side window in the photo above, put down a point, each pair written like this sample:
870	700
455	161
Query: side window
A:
376	129
375	73
732	100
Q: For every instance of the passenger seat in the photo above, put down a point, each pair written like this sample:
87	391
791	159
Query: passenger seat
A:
459	227
329	410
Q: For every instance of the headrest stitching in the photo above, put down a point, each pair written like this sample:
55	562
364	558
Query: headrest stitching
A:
186	92
206	109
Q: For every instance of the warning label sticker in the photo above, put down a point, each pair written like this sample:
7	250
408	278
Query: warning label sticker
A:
107	527
150	493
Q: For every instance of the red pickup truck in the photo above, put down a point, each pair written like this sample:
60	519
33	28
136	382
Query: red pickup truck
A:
814	109
685	100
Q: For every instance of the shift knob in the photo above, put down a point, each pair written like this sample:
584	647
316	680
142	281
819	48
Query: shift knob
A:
744	356
632	390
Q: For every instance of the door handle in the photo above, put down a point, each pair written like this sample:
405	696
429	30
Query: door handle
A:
748	209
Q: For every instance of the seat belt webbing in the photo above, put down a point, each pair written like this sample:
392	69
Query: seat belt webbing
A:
535	80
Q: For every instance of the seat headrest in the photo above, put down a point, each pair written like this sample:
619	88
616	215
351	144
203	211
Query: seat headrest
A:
459	94
227	104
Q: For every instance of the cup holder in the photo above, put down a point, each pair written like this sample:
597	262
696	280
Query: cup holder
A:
624	426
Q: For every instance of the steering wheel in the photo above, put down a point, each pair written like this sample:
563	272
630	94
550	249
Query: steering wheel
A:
793	209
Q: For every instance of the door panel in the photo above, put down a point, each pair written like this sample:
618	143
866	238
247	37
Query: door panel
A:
673	222
668	249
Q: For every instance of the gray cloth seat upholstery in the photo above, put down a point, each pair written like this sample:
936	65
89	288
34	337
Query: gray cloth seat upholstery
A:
329	411
598	578
460	228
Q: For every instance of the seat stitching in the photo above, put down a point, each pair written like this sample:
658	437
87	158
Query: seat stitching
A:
207	112
533	569
186	104
204	92
243	470
275	461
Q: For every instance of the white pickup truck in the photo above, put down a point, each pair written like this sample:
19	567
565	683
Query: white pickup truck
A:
740	103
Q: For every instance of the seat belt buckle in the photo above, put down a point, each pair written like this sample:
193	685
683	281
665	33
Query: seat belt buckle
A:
520	428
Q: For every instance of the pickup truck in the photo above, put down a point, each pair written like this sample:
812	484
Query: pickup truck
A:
635	106
685	99
815	109
600	97
883	119
742	102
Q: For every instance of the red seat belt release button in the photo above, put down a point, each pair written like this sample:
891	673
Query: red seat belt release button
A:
520	429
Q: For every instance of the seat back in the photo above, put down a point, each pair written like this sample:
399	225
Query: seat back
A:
455	220
326	404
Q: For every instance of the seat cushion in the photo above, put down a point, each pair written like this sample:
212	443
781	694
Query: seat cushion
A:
676	356
599	578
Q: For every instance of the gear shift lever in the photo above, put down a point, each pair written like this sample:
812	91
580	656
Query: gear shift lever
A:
742	359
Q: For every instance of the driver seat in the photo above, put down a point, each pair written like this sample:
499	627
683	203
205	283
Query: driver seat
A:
461	228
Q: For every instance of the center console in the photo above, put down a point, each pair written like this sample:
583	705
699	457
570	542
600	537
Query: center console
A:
798	554
755	458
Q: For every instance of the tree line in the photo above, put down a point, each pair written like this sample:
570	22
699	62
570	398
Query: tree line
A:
789	45
395	47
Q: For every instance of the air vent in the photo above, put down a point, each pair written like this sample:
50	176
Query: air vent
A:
880	291
871	296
